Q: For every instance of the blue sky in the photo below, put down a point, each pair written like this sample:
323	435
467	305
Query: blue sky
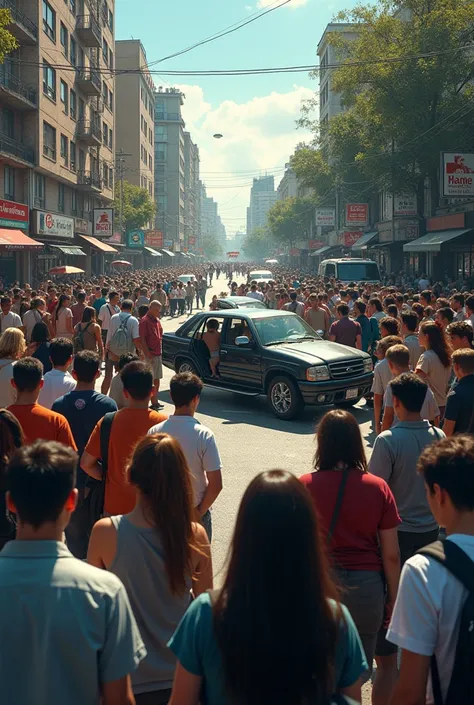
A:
256	114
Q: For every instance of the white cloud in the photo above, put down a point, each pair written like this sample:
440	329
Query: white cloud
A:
261	4
258	136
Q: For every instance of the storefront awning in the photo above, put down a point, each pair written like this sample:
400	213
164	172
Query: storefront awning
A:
432	241
321	251
167	252
72	250
152	252
98	244
17	240
191	254
363	241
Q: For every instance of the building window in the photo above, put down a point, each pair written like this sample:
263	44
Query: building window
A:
150	162
73	199
105	92
64	149
49	141
64	96
111	101
111	21
105	175
72	6
9	182
49	21
61	198
64	39
105	52
49	81
73	105
8	123
161	133
72	153
39	189
73	52
111	177
111	59
105	133
159	168
111	138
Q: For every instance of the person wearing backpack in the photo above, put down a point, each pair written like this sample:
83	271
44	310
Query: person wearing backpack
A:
295	306
434	611
87	333
123	336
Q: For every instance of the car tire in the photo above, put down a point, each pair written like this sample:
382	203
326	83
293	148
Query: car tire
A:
284	398
185	365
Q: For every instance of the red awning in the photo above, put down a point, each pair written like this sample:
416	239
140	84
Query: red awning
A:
98	244
17	240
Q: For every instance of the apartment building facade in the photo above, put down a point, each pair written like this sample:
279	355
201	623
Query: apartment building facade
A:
57	134
192	207
262	198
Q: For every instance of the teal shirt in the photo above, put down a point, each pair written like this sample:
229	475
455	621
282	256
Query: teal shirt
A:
195	646
65	627
98	303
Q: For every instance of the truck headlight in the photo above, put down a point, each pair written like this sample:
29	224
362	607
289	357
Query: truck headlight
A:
318	374
368	365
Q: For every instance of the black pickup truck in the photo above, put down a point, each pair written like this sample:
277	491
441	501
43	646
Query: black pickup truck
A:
274	353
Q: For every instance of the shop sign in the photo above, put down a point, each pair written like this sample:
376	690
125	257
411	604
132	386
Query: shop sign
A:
457	175
168	244
294	252
325	216
84	227
154	238
349	238
13	215
315	244
53	225
233	254
405	205
357	213
103	221
136	238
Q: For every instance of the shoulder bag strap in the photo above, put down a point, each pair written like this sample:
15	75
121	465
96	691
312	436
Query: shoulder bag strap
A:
105	430
337	506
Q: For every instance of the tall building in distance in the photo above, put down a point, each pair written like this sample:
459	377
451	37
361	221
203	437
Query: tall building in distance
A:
288	186
192	194
57	132
135	113
211	223
262	198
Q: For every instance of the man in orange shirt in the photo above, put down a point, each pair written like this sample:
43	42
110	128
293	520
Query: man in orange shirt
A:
36	421
129	425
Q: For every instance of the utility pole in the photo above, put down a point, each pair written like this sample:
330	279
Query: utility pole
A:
120	157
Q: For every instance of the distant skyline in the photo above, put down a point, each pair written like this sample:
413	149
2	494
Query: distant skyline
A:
255	114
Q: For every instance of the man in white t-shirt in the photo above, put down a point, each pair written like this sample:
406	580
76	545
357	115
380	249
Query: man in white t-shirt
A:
382	376
58	381
107	311
426	616
8	319
198	444
132	333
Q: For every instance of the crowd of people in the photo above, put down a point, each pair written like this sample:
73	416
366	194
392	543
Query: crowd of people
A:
106	506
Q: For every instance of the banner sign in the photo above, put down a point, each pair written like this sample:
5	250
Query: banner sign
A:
136	238
350	238
325	216
104	221
233	254
357	213
315	244
154	238
82	226
14	215
53	225
457	175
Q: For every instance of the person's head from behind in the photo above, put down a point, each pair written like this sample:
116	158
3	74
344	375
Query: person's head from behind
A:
40	333
331	453
114	298
6	304
360	307
457	302
293	296
137	380
86	366
125	359
409	323
460	335
60	352
408	392
185	391
81	297
392	311
11	438
385	343
463	362
143	310
127	305
89	314
444	316
447	468
37	303
398	358
160	473
277	546
12	344
389	326
212	325
432	337
425	297
41	480
342	310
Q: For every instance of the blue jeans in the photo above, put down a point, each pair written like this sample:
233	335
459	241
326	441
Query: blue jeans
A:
173	306
206	521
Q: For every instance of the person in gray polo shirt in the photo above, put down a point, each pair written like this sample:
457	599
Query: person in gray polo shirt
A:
67	630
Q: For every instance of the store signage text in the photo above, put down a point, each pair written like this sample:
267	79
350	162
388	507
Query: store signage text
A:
53	225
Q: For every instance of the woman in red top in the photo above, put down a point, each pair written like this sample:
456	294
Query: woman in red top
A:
362	535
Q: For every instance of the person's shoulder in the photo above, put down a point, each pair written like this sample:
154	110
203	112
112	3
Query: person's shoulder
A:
156	418
88	577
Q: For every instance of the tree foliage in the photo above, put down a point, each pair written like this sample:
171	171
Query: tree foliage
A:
212	247
257	244
138	207
8	43
312	169
289	220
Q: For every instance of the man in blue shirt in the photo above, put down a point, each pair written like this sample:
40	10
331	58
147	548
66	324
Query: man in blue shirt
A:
361	318
83	408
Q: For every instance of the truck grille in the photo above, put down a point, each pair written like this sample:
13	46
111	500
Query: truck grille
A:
346	369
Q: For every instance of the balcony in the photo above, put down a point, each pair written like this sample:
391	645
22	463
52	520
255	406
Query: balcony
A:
15	93
168	117
88	81
16	152
88	30
24	29
89	132
89	181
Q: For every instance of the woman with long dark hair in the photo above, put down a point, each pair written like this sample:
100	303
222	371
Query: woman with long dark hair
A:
160	553
39	346
275	632
359	519
434	365
62	318
87	333
11	438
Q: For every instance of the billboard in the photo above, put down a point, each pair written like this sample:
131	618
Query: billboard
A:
136	239
14	215
405	205
233	254
457	175
357	213
349	238
326	216
154	238
104	221
53	225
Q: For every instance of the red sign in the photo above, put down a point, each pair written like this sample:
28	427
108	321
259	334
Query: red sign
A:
233	254
446	222
350	238
13	214
116	237
191	240
316	244
294	252
154	238
357	213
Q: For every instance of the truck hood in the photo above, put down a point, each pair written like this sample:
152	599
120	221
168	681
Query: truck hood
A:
318	351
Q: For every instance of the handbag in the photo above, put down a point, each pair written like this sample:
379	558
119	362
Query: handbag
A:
93	504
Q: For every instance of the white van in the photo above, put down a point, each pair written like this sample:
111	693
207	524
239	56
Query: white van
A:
350	269
261	276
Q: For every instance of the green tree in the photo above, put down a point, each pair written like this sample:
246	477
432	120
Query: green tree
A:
138	207
289	220
257	244
312	169
212	247
8	43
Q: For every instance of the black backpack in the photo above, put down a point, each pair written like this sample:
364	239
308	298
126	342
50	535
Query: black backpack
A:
78	340
461	686
92	507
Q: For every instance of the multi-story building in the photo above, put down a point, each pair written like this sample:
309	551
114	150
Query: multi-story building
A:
135	110
330	102
262	198
57	135
211	223
192	194
288	186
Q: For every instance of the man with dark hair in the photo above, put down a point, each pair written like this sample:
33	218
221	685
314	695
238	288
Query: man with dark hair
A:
426	618
425	298
457	304
365	325
36	421
198	444
293	305
129	425
409	324
116	386
151	335
104	315
459	414
460	334
58	381
444	316
77	309
8	318
345	331
62	607
389	326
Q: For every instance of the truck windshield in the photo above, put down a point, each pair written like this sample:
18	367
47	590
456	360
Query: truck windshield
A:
283	329
357	271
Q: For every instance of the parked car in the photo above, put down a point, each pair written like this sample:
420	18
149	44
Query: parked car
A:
239	302
274	353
